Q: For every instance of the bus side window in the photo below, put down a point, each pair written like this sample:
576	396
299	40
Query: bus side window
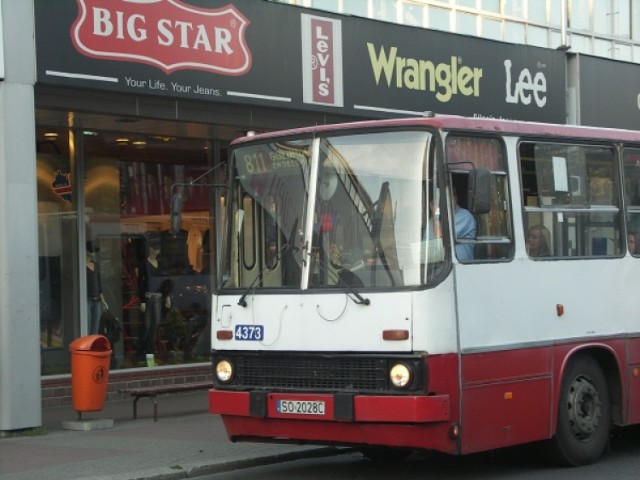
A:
571	195
631	170
493	236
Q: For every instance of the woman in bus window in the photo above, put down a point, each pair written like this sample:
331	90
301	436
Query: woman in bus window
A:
538	241
632	242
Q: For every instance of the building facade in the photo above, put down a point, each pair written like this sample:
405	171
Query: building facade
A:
603	28
116	117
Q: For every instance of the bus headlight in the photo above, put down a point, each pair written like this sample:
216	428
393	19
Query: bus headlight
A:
400	375
224	371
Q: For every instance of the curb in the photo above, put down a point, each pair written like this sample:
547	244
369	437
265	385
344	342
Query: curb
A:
319	452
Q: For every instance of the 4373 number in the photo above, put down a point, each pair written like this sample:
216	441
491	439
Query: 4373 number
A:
249	332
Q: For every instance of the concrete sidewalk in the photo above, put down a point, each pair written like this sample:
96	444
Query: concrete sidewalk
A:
186	442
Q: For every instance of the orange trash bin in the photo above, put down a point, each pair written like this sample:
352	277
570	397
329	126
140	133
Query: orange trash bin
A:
90	358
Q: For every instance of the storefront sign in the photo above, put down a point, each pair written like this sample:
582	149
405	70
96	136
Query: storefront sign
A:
322	60
277	55
619	110
167	34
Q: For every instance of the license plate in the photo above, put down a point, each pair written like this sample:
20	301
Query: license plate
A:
249	332
300	407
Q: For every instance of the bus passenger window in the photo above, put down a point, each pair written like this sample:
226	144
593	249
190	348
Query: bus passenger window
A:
631	185
492	239
571	196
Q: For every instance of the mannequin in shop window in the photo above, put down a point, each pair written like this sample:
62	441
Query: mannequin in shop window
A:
155	294
95	299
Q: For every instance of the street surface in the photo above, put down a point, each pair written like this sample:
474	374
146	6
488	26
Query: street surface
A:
520	463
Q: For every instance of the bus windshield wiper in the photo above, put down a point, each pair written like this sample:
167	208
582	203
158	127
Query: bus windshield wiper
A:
348	289
359	300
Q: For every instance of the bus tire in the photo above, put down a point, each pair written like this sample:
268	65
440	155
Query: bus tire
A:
584	414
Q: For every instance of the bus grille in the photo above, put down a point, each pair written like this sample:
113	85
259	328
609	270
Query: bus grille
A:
308	372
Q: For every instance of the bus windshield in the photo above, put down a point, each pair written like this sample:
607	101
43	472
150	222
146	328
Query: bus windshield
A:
346	211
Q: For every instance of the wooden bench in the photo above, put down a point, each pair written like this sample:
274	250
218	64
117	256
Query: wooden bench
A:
153	391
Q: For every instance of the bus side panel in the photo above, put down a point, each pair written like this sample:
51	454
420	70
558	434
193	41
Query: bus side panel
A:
633	374
506	398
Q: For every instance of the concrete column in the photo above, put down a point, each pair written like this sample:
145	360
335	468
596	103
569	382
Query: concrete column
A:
20	382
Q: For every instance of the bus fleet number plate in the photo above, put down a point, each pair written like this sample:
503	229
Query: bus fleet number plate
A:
300	407
249	332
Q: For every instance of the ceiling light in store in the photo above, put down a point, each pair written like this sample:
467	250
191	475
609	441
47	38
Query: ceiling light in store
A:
163	138
51	135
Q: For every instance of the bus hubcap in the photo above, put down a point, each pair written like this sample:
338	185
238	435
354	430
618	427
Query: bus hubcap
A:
584	408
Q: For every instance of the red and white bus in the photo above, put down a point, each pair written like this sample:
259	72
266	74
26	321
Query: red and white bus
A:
439	283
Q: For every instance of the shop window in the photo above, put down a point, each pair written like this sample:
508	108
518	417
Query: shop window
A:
158	278
57	249
126	197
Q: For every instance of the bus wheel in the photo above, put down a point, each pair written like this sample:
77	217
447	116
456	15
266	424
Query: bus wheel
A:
584	414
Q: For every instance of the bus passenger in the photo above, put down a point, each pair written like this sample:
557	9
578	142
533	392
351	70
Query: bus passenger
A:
538	241
631	243
465	225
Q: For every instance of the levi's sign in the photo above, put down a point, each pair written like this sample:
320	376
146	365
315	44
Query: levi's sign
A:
167	34
322	60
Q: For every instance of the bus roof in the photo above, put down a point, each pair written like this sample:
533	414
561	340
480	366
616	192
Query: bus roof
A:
454	122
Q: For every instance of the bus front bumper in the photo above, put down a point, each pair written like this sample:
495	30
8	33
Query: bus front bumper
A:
329	407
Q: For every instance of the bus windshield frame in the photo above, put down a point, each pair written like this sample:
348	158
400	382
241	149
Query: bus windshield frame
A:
342	210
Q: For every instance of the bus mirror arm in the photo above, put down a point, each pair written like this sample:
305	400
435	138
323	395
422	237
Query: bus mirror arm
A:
175	214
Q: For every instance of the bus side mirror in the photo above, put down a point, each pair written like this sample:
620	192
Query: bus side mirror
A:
479	191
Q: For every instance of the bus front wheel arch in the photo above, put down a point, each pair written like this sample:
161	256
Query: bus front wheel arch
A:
584	413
